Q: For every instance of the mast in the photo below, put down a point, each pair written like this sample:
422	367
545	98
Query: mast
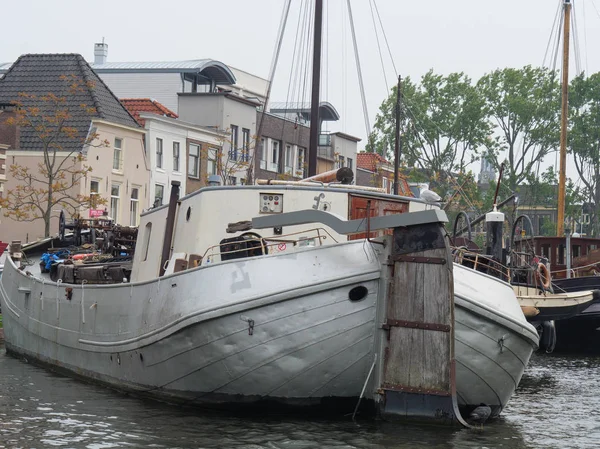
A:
316	84
398	144
563	122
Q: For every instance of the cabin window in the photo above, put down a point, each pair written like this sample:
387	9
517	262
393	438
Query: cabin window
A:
546	251
560	260
576	251
159	153
114	202
175	156
133	206
147	233
118	155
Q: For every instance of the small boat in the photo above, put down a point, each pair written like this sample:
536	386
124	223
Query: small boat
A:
541	305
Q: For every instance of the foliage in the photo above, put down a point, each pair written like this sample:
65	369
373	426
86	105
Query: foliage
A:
232	161
446	126
56	178
584	139
524	106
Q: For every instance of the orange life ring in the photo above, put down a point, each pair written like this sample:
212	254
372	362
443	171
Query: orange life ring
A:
544	275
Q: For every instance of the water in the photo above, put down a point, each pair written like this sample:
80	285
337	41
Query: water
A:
555	407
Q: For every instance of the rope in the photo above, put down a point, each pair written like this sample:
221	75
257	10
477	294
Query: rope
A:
358	68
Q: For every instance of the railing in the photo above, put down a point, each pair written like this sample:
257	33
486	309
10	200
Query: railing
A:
481	262
279	242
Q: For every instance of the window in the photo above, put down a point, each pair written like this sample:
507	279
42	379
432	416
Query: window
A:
114	202
193	160
246	144
289	159
133	206
242	181
300	161
274	160
233	153
159	190
118	155
385	183
232	180
211	165
175	156
159	153
349	162
340	162
94	191
263	153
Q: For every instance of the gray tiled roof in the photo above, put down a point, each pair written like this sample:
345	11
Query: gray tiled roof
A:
40	74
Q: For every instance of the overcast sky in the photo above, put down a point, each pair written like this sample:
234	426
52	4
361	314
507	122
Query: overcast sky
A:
472	36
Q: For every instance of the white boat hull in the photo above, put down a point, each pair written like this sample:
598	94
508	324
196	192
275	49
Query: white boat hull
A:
264	333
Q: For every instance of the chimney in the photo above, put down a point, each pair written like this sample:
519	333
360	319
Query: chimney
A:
100	53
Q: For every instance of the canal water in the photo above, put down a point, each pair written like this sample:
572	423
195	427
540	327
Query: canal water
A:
556	406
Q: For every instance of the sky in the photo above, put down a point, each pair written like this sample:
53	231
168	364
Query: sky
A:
472	36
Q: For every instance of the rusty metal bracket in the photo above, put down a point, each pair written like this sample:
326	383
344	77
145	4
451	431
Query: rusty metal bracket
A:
416	325
407	389
419	259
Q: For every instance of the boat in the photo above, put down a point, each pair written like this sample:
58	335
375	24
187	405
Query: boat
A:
295	294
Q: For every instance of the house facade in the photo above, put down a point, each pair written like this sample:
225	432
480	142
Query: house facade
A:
98	135
373	170
282	149
179	151
233	115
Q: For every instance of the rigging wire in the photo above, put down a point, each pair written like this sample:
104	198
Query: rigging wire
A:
387	86
358	67
553	30
385	38
585	37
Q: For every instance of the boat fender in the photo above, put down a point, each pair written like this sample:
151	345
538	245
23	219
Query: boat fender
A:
548	338
543	275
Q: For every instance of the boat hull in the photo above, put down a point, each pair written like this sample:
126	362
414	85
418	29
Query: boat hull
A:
293	342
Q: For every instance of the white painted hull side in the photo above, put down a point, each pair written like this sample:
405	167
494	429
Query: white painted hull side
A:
494	341
188	337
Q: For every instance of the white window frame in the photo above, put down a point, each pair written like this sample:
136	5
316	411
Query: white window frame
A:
274	156
118	155
176	156
300	161
211	161
115	201
162	197
134	207
288	159
264	151
159	152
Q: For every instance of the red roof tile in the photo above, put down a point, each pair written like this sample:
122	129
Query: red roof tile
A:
137	105
369	161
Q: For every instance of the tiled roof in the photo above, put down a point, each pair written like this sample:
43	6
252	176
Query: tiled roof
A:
137	105
369	161
40	74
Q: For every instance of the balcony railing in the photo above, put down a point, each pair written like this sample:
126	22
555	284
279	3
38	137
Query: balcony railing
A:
325	153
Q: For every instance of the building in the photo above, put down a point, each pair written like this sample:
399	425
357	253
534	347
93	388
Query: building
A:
135	106
373	170
180	151
282	148
233	115
97	132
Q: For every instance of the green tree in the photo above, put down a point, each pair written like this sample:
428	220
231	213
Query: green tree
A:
446	126
584	138
524	106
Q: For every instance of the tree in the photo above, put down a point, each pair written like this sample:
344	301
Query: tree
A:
446	126
584	138
49	118
524	106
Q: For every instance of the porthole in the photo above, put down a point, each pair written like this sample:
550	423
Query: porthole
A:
188	214
358	293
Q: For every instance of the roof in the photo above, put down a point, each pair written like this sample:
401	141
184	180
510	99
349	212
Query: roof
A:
347	136
206	68
40	74
137	105
370	161
326	110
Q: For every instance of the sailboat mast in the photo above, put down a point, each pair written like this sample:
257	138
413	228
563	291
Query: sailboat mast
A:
397	143
316	84
563	122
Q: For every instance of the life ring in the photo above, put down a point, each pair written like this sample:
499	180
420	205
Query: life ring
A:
544	275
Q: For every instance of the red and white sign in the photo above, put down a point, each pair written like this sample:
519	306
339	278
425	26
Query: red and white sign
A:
281	247
95	213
